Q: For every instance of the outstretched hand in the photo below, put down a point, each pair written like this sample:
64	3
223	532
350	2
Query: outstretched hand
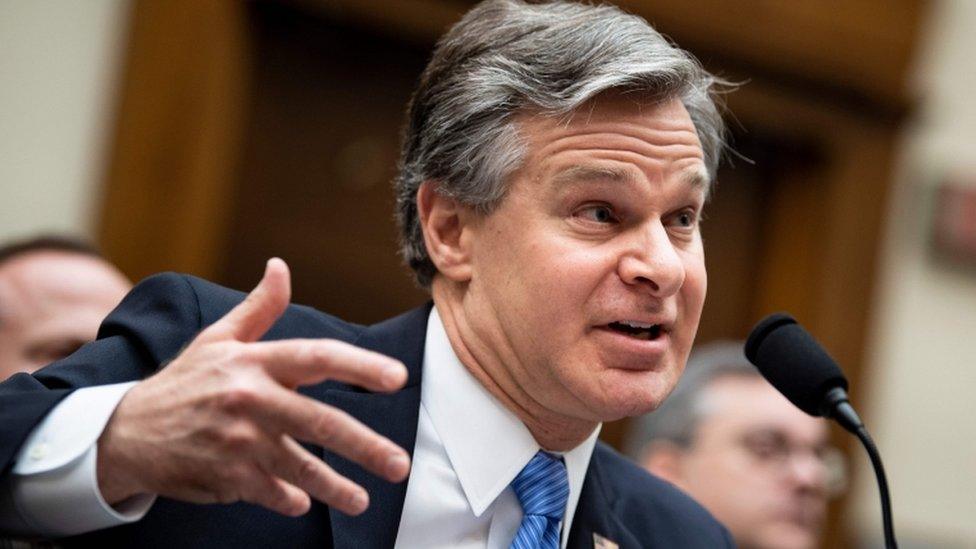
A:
221	421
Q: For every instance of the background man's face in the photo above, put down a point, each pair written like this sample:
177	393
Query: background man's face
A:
51	302
599	228
754	464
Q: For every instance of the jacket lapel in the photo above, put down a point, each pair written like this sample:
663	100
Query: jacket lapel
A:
392	415
596	512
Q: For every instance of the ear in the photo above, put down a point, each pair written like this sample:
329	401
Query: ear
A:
663	459
443	221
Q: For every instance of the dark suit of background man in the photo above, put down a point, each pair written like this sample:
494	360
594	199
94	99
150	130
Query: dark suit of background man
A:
555	164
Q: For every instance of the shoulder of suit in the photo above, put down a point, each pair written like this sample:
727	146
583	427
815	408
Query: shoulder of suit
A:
650	502
298	321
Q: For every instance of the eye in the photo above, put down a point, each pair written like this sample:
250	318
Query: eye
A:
686	219
766	446
597	213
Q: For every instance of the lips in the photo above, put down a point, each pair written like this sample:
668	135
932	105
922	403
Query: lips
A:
630	345
637	330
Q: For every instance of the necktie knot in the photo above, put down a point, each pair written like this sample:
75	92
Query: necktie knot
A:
542	487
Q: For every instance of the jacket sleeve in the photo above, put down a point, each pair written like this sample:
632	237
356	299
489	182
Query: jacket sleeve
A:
151	325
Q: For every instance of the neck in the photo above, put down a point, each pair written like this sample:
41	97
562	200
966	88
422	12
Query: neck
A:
495	365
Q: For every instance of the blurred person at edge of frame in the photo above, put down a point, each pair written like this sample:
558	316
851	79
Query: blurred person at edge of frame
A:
54	293
729	439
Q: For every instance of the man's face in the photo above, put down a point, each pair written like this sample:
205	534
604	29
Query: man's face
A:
756	464
588	280
51	302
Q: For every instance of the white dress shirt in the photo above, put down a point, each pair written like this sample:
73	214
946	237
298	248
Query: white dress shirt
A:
469	448
52	489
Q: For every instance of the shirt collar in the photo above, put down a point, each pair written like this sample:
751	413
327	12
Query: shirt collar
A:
487	444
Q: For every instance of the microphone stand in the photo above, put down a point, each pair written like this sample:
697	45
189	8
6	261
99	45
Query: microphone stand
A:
836	406
889	529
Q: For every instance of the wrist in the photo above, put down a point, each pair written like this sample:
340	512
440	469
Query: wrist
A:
116	483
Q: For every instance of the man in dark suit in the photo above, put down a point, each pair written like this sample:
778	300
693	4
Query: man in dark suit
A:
555	164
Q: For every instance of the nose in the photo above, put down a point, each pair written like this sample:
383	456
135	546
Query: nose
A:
652	261
808	472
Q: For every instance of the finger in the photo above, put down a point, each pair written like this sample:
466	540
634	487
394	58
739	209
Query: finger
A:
304	418
298	467
276	494
250	319
294	362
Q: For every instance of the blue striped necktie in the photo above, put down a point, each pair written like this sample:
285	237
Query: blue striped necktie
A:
542	488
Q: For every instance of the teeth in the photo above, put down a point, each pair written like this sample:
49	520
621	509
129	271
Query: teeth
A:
637	330
637	325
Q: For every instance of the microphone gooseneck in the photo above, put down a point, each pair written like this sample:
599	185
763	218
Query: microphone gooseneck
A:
796	365
889	527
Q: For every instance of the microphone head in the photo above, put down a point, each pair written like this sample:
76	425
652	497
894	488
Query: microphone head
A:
793	362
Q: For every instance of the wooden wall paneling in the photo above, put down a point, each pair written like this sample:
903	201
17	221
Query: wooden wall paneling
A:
789	266
170	176
421	22
861	48
319	156
819	260
826	217
864	46
856	198
732	230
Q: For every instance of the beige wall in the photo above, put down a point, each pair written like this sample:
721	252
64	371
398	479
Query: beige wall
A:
58	67
922	356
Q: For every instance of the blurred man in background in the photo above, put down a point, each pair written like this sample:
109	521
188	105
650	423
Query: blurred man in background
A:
54	293
731	441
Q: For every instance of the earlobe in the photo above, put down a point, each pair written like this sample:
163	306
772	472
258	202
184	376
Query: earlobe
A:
443	221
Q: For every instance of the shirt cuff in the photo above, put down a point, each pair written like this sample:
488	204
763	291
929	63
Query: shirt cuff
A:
54	480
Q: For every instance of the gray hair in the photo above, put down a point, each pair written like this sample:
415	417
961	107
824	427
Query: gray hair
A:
507	57
678	418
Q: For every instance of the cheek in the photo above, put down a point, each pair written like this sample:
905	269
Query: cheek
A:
716	476
692	299
560	277
696	279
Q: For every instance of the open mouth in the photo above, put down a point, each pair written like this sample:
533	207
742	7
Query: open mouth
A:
636	330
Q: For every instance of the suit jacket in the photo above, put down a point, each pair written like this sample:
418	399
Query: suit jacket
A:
619	501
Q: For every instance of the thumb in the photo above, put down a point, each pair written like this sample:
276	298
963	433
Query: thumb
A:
250	319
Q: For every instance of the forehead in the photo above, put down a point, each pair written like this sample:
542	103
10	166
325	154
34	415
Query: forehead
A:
618	136
735	404
39	282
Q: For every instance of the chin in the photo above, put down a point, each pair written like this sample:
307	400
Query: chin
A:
627	394
789	537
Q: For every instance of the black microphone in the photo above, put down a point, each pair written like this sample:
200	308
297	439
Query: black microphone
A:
797	366
793	362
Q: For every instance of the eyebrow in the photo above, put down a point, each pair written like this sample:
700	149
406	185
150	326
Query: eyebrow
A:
699	179
581	174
